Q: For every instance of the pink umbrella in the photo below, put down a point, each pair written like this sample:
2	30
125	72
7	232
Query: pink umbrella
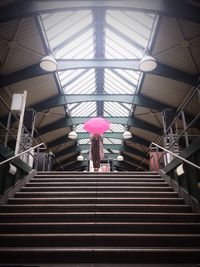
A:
96	125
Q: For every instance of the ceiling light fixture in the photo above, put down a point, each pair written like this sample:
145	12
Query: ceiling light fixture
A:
48	63
72	135
147	63
120	158
127	135
80	158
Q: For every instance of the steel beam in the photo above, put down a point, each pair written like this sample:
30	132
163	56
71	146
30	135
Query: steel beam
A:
175	74
132	150
106	146
65	139
76	165
63	163
71	149
106	135
106	155
138	100
125	166
66	122
169	8
59	141
138	140
132	160
21	75
65	64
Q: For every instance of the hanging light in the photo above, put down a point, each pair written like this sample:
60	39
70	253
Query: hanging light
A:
147	63
72	135
48	63
80	158
120	158
127	135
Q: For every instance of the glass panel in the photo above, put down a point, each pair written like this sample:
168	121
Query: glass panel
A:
61	29
117	127
133	28
77	48
84	109
115	84
115	141
84	141
82	85
116	109
119	48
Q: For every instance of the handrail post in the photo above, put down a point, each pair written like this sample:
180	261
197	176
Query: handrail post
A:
17	147
184	128
7	127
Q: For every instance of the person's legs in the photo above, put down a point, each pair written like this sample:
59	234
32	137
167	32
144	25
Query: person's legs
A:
95	153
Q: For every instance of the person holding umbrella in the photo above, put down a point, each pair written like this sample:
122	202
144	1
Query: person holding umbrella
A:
96	126
96	150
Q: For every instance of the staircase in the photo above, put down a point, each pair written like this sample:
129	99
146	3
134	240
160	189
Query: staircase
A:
71	217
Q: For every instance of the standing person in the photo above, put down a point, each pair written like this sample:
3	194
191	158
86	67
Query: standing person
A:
96	150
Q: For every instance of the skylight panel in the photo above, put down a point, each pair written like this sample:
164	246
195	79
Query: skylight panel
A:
115	141
106	141
122	46
144	19
84	109
68	75
128	26
84	151
80	129
67	27
77	48
129	75
83	84
117	127
84	141
53	20
114	81
116	109
115	151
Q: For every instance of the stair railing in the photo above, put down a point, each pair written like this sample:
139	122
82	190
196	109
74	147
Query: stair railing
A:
175	155
26	151
167	151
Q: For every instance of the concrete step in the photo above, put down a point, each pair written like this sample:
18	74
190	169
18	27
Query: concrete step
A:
60	188
100	174
95	207
95	182
99	240
98	217
95	179
81	194
100	227
102	200
99	255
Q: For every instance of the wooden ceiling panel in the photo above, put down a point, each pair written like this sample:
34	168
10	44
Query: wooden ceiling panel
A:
165	90
38	88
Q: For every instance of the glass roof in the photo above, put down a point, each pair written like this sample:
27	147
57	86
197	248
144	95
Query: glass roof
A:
98	34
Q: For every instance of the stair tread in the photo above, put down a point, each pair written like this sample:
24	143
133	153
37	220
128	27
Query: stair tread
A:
146	235
102	223
96	192
78	209
92	249
99	198
72	205
103	213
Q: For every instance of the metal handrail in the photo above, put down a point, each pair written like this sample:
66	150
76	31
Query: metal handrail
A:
7	160
179	157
